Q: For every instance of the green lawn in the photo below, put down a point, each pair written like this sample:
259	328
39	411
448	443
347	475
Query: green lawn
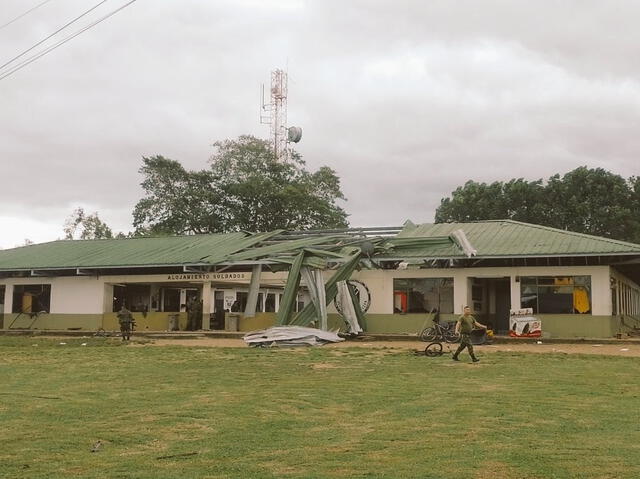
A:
311	413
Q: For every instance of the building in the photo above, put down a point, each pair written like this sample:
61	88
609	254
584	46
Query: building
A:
578	285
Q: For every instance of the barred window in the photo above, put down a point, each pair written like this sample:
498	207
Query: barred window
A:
31	298
421	295
556	294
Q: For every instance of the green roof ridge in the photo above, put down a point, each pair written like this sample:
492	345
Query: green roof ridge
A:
573	233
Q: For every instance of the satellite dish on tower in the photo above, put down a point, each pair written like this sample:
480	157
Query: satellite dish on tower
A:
294	134
274	113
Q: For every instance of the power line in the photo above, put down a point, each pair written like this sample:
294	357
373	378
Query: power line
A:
33	58
24	14
54	33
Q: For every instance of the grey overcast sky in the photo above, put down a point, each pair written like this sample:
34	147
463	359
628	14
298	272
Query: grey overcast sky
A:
405	99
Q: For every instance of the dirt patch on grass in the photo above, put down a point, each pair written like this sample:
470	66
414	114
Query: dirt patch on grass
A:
324	366
620	349
497	470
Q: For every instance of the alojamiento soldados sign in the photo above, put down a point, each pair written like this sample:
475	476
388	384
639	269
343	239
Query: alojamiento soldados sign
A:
207	276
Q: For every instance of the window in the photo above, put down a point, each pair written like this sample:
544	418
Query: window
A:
241	300
556	294
171	300
259	307
31	298
136	297
270	303
422	295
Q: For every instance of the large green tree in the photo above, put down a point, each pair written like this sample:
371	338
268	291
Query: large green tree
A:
244	188
592	201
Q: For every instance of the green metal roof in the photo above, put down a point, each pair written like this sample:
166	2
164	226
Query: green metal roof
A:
132	252
508	238
491	239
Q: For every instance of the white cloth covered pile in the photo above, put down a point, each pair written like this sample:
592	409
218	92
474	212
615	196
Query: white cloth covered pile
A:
290	336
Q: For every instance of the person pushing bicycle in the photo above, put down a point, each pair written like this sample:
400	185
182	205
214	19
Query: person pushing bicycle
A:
464	326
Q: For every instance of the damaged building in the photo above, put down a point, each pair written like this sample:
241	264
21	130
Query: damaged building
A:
373	280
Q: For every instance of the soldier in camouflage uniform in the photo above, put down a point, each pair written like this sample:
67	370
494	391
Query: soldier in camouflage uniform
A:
126	322
464	326
194	314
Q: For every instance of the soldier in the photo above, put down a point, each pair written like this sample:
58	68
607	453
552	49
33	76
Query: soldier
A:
464	326
126	322
192	314
198	314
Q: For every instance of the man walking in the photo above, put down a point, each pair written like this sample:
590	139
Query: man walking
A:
464	326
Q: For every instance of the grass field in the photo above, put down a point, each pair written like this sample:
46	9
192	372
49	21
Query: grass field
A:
176	412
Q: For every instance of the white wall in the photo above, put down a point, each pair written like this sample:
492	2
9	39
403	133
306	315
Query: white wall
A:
72	295
91	295
77	295
380	283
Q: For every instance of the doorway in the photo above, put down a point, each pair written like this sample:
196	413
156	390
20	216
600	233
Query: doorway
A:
491	302
218	310
503	305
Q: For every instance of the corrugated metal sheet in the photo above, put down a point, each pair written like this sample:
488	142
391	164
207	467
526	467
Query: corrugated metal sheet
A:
489	238
287	247
512	238
172	250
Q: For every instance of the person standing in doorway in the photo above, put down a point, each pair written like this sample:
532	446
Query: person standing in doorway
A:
464	326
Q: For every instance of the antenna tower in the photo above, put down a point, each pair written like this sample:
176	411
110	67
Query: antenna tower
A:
274	113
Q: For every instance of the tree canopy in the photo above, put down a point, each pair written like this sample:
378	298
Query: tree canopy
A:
244	188
592	201
88	226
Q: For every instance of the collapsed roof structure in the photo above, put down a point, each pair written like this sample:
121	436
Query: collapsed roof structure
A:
324	260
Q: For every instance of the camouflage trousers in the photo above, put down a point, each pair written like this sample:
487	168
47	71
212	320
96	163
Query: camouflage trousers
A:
125	330
465	342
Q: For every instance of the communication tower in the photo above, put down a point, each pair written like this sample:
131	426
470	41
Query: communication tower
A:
274	114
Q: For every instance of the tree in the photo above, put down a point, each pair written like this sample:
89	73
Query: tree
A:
244	188
90	226
177	201
592	201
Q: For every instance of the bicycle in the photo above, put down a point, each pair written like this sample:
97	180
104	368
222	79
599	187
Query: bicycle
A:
439	331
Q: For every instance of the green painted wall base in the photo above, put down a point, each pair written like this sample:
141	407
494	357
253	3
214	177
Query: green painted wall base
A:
553	325
89	322
579	326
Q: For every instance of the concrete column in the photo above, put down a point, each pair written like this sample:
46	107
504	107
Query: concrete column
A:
461	292
206	305
515	293
254	289
183	298
8	299
107	304
601	292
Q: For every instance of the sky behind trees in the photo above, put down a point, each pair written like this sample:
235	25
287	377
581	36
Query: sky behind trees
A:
406	100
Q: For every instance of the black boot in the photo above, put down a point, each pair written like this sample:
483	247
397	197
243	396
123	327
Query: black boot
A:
474	359
455	358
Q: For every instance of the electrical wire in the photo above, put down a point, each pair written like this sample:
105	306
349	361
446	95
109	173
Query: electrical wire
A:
24	14
51	35
61	42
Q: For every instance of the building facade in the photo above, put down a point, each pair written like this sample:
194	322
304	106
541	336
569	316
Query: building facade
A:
577	285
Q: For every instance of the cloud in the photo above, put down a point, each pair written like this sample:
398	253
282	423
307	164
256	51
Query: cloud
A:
405	100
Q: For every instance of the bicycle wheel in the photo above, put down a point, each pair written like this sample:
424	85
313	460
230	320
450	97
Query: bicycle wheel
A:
451	337
433	349
428	335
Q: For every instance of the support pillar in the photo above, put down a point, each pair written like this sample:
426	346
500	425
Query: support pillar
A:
515	292
254	289
461	292
206	305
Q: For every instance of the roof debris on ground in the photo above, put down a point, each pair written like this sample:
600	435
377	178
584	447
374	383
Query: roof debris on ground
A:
291	336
